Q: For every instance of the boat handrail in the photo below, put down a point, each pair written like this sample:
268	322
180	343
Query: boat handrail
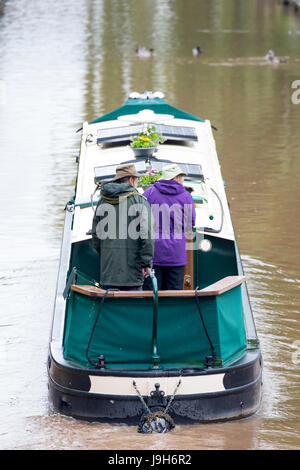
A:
217	288
155	355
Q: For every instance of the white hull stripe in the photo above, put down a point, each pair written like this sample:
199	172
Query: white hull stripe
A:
124	385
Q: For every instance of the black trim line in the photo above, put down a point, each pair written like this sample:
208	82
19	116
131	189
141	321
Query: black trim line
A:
174	372
178	396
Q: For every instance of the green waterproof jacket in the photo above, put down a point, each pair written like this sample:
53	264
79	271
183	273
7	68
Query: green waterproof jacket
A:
123	235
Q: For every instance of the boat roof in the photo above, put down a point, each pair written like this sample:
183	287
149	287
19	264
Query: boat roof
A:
189	143
135	105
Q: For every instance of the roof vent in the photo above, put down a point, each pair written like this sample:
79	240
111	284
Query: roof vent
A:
147	95
158	94
134	95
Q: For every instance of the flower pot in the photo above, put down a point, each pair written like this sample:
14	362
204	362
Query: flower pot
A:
143	152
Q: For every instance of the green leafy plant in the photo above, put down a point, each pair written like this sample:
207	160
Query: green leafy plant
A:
149	178
147	138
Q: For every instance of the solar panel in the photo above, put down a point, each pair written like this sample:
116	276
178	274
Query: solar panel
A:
191	170
118	134
104	173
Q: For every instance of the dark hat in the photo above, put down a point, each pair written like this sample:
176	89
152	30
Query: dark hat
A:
123	171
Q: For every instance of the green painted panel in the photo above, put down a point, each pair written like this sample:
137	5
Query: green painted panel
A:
85	259
134	106
213	265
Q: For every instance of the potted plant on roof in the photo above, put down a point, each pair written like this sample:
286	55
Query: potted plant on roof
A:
149	178
146	142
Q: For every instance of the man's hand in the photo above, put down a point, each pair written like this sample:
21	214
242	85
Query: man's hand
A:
144	271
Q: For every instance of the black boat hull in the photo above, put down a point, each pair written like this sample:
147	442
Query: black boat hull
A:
69	393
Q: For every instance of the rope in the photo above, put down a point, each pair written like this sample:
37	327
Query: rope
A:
93	363
206	332
140	397
172	396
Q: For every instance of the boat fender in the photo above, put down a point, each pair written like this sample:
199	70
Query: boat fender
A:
158	421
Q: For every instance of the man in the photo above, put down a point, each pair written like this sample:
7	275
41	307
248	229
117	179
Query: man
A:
174	214
121	232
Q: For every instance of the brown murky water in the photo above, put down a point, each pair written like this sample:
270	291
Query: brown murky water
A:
63	62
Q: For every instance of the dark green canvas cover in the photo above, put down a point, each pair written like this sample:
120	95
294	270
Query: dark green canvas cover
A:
158	105
124	330
220	261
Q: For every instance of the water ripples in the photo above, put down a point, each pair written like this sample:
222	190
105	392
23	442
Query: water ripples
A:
61	65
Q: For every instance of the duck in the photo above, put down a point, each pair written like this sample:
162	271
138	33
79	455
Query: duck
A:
197	50
270	57
143	52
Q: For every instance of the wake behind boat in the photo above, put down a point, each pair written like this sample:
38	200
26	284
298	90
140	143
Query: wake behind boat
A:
191	354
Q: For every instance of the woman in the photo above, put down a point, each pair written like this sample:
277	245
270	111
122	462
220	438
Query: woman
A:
174	214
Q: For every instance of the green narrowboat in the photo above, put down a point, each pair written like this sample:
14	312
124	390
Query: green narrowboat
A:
193	354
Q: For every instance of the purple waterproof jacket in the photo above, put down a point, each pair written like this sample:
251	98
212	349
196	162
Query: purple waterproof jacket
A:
174	213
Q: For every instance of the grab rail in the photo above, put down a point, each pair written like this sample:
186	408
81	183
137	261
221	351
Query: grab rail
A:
155	356
217	288
74	274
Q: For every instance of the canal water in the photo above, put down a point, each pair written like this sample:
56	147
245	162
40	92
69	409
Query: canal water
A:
64	62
